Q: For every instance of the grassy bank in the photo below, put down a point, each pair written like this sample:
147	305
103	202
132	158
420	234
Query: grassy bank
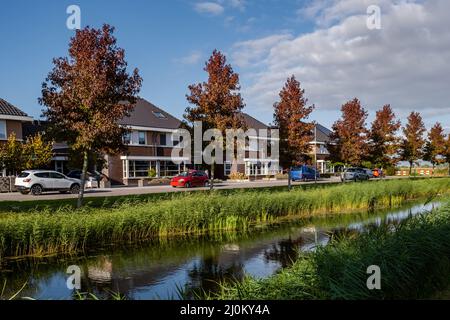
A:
414	260
49	231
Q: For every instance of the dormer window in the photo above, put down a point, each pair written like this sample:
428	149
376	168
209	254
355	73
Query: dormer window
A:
159	115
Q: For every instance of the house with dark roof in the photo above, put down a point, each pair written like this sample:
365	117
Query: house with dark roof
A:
255	165
149	146
319	148
11	121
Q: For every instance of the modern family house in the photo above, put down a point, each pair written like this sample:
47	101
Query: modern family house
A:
256	165
11	121
149	147
319	149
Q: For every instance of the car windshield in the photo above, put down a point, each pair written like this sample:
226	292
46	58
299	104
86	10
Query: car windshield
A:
24	175
184	174
351	170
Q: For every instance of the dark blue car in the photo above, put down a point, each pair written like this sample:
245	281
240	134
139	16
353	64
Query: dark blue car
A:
303	173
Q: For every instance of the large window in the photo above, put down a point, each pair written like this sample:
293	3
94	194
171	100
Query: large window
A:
139	169
2	129
162	139
135	138
168	169
142	137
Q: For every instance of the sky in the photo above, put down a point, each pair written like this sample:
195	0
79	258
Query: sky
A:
326	44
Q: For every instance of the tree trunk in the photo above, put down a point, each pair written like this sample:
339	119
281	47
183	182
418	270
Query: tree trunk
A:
83	180
410	167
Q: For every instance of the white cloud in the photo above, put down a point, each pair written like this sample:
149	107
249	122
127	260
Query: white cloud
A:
211	8
193	58
238	4
405	63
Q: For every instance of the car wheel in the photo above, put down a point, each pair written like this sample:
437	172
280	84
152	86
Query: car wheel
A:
206	184
36	190
75	188
187	185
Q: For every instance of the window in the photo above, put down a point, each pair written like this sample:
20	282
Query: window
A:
127	138
44	175
135	138
139	169
227	168
3	129
159	115
142	137
162	139
23	175
55	175
169	169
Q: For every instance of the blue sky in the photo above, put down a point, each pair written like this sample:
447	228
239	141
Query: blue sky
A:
322	42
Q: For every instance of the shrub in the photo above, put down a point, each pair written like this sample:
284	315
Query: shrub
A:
238	176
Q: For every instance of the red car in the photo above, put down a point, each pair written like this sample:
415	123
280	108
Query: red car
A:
190	179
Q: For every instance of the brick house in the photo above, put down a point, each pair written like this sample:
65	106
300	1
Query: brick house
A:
149	146
319	149
254	166
11	121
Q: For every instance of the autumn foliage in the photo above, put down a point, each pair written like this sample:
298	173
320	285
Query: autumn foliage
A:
383	139
88	92
413	141
435	146
217	102
289	116
349	137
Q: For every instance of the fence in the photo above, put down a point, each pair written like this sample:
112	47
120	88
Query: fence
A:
7	184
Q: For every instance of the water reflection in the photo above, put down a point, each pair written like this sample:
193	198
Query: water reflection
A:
162	270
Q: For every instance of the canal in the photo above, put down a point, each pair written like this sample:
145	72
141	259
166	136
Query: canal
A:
171	269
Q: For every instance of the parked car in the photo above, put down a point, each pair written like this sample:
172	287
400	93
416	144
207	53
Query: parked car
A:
38	181
92	178
303	173
369	173
190	179
355	174
378	173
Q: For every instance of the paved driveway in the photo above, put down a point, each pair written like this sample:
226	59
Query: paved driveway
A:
124	191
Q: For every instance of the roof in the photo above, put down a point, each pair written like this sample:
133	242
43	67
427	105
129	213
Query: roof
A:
8	109
322	133
252	123
146	114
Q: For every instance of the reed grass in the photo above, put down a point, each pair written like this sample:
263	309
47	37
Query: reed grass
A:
65	230
414	258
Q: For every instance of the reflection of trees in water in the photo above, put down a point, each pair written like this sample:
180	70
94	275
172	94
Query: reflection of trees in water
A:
209	272
285	252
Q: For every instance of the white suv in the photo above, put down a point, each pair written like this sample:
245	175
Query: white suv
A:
38	181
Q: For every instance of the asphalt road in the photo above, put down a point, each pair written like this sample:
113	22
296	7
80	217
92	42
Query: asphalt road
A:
124	191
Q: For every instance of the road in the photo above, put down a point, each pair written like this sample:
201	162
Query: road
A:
125	191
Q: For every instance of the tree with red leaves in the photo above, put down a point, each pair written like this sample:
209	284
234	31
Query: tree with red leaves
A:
217	103
383	140
349	138
413	141
447	152
435	146
289	116
88	92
